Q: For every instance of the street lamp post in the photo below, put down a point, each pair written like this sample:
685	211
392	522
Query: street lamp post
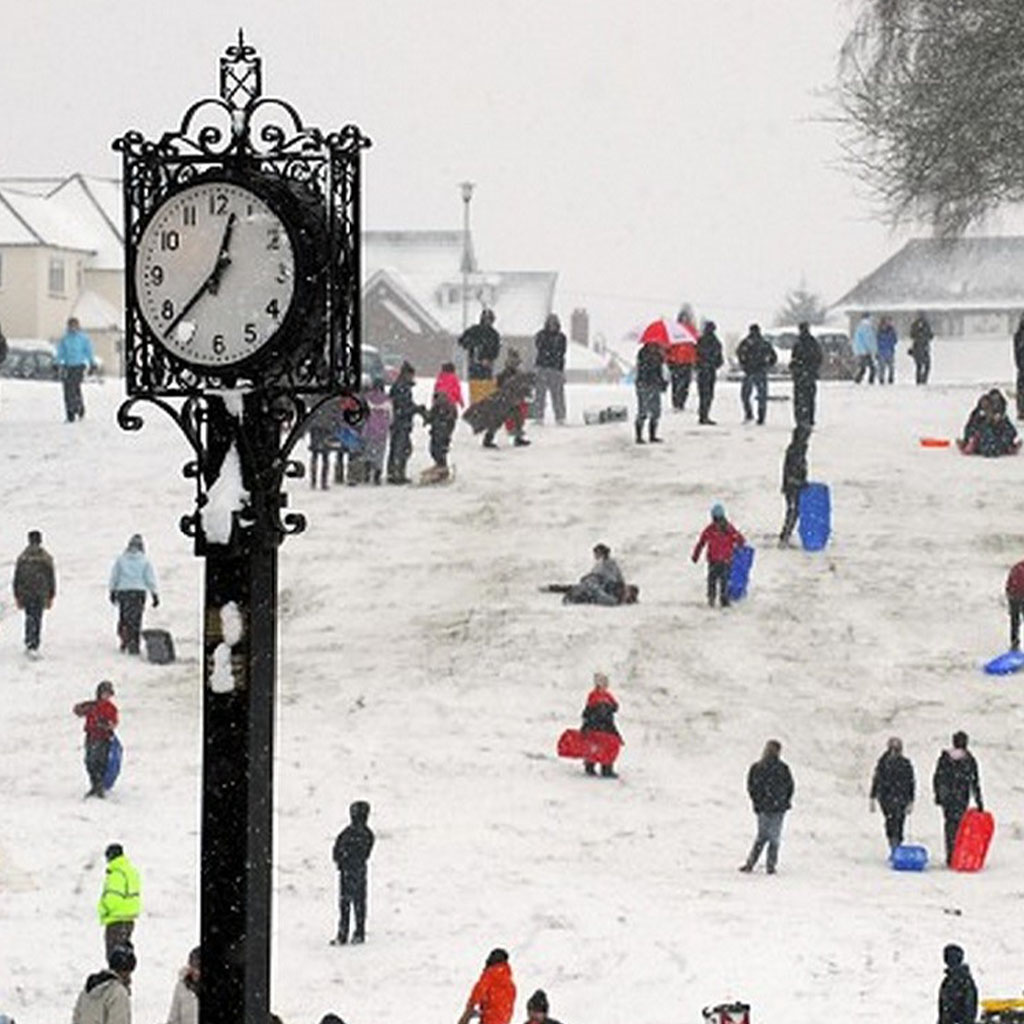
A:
466	188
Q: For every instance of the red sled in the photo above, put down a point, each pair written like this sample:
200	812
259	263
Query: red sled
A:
972	841
599	747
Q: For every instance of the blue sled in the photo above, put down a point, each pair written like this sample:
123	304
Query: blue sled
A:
909	858
815	510
1005	664
113	768
739	574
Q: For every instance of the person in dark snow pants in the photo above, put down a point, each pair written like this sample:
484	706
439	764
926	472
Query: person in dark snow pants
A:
403	410
892	787
721	539
1015	598
100	724
756	356
794	479
131	577
1018	361
709	359
770	788
955	781
599	716
650	383
352	850
958	995
35	587
804	367
921	335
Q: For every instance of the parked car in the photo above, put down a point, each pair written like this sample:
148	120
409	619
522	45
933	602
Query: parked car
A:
372	366
36	362
838	361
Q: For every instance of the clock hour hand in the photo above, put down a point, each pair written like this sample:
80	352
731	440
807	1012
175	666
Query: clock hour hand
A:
212	282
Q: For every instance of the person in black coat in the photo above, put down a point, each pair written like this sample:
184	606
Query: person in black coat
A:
756	356
958	995
537	1009
804	367
482	344
650	382
549	369
770	788
921	335
1018	359
892	787
794	479
403	410
955	781
351	852
709	359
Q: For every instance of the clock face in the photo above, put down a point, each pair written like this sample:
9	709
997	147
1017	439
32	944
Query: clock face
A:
215	273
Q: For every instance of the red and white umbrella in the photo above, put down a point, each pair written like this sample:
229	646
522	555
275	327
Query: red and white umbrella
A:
665	333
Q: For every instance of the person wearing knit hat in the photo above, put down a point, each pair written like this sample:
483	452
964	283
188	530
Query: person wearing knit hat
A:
130	578
537	1009
958	995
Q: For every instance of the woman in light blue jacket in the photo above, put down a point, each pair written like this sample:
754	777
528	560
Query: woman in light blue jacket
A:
865	348
130	578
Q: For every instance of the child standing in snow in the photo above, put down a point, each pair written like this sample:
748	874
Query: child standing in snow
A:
599	716
794	479
441	419
375	431
722	540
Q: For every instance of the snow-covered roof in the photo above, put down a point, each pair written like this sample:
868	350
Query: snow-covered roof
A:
965	273
434	254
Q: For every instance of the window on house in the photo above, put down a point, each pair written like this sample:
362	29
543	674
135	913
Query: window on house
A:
56	276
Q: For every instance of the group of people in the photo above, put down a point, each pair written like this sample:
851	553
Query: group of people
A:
989	431
875	349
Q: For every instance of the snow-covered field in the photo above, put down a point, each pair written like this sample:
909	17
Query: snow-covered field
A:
421	669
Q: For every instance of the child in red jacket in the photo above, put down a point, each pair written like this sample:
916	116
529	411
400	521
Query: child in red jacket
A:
722	540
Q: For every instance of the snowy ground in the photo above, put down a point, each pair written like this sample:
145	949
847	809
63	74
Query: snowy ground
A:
422	670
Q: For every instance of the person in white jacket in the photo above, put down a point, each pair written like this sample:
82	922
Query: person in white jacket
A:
185	1001
106	998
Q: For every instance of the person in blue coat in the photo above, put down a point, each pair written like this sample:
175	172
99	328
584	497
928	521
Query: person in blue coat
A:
74	357
130	578
886	351
865	348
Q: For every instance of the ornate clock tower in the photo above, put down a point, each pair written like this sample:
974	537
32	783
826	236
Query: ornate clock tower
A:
242	317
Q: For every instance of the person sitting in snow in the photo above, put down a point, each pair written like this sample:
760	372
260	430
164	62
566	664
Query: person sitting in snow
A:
604	583
721	539
599	716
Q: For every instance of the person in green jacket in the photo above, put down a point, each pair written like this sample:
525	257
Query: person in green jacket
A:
121	899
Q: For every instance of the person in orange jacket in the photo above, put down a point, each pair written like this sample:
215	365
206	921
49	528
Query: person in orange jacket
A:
722	540
494	995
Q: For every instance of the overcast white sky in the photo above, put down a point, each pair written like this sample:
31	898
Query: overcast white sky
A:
650	151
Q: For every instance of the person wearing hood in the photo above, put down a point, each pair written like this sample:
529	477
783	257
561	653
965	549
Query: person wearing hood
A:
493	997
537	1009
794	479
921	335
958	995
770	788
549	367
865	348
130	578
756	356
35	587
892	787
100	723
804	367
721	539
649	384
709	359
106	997
121	899
955	781
403	409
185	1000
352	850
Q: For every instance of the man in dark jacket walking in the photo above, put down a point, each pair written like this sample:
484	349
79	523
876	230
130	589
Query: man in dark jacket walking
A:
351	852
1018	359
770	788
804	367
650	383
892	786
958	995
549	369
756	356
921	335
955	781
403	409
35	587
709	359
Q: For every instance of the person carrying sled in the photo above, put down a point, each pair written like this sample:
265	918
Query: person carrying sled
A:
131	576
121	900
185	999
794	479
721	539
804	367
352	850
756	356
1015	599
493	997
599	716
770	788
106	997
958	995
955	781
35	587
892	787
100	722
537	1009
510	376
709	359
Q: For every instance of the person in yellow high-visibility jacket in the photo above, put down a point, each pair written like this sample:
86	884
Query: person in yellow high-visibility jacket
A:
121	899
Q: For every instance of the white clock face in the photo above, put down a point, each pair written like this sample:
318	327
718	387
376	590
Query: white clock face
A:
215	273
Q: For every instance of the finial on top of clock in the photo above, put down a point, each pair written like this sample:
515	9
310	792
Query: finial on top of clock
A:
241	74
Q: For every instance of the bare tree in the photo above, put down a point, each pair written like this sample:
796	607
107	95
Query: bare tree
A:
932	92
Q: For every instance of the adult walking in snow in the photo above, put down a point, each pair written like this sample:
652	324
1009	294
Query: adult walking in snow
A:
100	723
549	369
1018	361
131	577
403	409
106	997
794	479
121	898
599	716
1015	599
770	788
482	344
955	781
958	995
352	850
74	357
35	587
886	339
804	367
892	788
721	539
537	1009
681	358
921	335
709	359
865	348
650	383
185	999
493	997
756	356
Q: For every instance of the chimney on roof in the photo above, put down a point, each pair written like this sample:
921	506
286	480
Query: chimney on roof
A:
579	327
